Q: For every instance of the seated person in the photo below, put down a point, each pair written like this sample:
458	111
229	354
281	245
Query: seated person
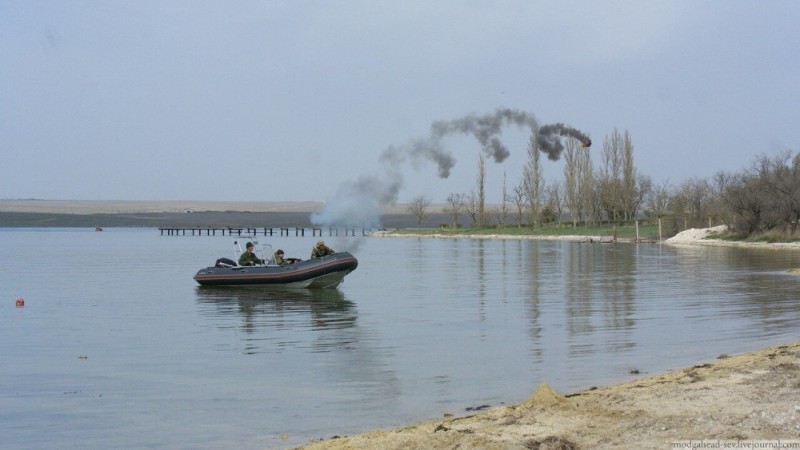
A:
280	260
321	250
249	258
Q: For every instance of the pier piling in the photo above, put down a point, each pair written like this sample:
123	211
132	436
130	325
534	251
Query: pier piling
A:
255	231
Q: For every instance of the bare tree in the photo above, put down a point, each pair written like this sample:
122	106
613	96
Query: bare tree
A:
658	199
554	200
503	212
517	198
533	179
418	207
471	207
641	190
455	206
609	179
572	181
720	182
694	196
590	204
781	178
481	200
743	196
631	184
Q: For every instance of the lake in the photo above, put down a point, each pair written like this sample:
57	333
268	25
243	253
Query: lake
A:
117	346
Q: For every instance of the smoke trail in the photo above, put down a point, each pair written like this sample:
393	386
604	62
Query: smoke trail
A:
549	143
486	130
362	202
417	151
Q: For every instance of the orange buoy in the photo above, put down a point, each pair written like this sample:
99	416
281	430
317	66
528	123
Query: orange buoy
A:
20	302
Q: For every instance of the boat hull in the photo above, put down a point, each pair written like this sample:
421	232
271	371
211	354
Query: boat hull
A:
319	273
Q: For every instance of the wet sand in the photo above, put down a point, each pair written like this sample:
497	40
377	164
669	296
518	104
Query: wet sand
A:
754	396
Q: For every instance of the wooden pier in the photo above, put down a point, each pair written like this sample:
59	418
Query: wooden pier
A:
256	231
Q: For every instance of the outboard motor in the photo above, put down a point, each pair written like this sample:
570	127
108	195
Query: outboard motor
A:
225	262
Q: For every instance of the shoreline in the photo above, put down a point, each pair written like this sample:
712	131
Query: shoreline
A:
690	237
204	213
751	396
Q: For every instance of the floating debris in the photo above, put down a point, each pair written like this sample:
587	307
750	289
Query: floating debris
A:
477	408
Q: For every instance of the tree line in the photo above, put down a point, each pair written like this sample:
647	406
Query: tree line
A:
761	199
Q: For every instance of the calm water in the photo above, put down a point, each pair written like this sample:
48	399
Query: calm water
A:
117	347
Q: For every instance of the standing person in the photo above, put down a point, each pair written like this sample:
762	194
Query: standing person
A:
249	258
321	250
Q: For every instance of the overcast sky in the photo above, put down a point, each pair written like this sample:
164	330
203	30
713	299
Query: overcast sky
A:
288	100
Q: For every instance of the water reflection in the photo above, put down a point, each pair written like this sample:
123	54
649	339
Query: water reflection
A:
754	284
310	332
533	299
269	316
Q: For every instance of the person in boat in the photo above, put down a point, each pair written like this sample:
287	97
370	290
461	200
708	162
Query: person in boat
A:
249	258
280	260
321	250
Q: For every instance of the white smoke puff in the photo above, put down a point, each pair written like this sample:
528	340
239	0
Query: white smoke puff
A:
359	203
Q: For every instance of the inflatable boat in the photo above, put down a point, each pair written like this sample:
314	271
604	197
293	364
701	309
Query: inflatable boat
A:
318	273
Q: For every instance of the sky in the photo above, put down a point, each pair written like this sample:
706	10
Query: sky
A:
297	100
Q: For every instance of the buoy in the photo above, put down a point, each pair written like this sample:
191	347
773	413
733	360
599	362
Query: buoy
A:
20	302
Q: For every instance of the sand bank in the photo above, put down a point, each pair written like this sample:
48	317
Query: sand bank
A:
149	206
754	396
704	236
172	206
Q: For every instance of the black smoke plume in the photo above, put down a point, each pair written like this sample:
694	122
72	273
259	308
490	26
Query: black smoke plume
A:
361	203
486	130
549	143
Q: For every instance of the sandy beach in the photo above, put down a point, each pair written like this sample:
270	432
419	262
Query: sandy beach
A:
743	398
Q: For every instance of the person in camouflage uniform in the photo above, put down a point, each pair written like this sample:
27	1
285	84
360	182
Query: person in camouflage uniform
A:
280	260
249	258
321	250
